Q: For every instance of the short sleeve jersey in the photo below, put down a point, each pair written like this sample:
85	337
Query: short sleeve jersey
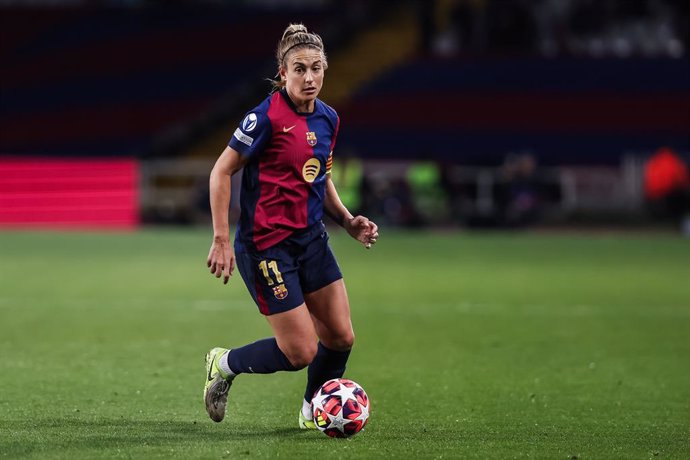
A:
284	181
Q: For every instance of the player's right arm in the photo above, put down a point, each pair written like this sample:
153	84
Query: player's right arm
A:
221	257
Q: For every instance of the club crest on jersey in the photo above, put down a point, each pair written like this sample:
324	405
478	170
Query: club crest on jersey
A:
311	138
311	169
280	292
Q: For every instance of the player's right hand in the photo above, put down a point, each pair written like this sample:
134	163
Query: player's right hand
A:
221	258
363	230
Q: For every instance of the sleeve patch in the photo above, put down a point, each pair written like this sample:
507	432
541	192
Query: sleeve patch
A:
240	136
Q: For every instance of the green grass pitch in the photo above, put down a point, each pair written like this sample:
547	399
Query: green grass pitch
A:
469	345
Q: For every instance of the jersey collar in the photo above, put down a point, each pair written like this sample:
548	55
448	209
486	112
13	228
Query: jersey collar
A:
292	105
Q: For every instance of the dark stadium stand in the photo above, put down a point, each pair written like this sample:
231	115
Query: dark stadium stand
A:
564	110
106	81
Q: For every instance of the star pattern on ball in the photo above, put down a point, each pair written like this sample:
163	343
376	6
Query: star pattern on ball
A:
318	400
365	412
337	422
346	393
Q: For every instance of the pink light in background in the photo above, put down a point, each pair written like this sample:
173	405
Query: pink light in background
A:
69	193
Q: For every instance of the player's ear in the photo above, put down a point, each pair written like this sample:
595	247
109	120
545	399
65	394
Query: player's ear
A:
282	73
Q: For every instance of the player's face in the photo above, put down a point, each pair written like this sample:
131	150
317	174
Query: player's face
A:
303	76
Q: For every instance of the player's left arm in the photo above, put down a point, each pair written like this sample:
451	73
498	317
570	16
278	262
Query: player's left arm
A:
359	227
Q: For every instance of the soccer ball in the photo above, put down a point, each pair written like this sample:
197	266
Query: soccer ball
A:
341	408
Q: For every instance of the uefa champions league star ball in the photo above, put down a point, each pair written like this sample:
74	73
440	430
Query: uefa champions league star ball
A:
341	408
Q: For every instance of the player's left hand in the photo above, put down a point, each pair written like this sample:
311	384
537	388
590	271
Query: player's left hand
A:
363	230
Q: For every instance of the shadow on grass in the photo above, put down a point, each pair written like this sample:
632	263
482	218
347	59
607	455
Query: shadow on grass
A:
74	433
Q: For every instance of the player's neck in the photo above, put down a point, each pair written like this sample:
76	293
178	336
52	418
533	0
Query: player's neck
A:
305	107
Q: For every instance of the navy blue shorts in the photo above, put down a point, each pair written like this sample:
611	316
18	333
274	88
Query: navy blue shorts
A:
278	277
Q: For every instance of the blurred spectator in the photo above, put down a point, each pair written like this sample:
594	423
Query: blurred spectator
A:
460	192
667	185
399	206
389	199
429	199
625	28
518	192
619	28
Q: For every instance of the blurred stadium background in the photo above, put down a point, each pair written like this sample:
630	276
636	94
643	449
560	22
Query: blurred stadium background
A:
455	113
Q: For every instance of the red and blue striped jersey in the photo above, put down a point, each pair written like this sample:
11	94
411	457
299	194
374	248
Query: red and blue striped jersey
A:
284	181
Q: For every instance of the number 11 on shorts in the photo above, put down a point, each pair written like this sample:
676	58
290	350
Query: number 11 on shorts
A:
273	265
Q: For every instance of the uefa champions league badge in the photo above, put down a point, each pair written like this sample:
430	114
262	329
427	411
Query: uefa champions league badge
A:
249	122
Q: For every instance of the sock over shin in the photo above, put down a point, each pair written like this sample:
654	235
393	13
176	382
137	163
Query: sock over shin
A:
260	357
328	364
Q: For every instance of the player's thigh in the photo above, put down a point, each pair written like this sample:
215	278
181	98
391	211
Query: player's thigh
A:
330	311
295	333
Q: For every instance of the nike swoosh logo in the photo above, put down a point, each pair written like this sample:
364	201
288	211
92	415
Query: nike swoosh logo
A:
285	130
209	371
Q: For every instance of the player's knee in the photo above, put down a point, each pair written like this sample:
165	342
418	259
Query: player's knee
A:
302	355
342	342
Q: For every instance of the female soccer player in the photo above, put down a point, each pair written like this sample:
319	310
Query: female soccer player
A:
285	145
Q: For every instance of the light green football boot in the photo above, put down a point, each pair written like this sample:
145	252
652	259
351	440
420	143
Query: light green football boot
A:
305	423
217	385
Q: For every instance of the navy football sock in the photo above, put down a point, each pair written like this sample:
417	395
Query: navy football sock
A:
260	357
328	364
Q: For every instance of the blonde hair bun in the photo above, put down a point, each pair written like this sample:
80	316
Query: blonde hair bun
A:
293	29
297	36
